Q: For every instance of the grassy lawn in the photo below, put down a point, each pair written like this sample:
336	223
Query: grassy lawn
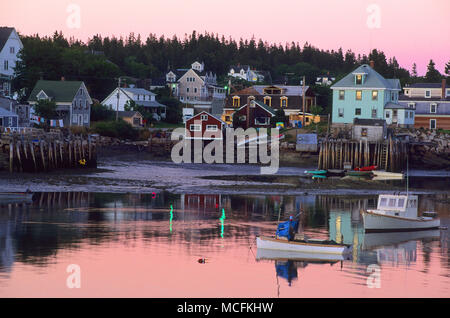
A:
166	125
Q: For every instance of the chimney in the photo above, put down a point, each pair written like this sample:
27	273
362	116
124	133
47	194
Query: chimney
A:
444	84
62	79
372	64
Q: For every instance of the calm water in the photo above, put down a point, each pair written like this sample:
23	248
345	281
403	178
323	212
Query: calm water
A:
148	245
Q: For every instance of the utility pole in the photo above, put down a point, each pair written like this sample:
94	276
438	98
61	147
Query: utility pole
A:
303	102
118	95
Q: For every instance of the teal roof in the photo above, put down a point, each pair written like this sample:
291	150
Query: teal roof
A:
372	80
58	91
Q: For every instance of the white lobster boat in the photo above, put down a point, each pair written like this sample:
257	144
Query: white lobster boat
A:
397	213
302	246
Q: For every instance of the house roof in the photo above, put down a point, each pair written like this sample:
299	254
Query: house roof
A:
58	91
262	105
4	113
5	32
205	112
395	106
426	85
137	91
405	98
287	89
149	103
5	102
246	91
369	122
128	113
372	80
240	67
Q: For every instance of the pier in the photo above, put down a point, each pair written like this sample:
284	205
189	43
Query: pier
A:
34	150
389	155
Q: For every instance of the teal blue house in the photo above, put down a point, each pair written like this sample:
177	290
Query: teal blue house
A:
363	94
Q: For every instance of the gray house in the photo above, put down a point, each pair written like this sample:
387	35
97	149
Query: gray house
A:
71	97
8	119
369	129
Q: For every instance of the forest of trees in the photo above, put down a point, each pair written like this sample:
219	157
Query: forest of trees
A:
101	60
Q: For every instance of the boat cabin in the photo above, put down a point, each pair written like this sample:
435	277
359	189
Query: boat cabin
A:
398	205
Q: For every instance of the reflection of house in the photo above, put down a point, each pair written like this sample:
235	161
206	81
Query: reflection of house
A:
134	118
200	202
430	102
71	97
286	97
253	114
120	98
204	126
10	45
363	94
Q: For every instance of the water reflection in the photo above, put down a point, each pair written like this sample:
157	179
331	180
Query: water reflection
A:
37	233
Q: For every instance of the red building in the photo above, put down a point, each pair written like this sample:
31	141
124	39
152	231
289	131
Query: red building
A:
204	126
253	114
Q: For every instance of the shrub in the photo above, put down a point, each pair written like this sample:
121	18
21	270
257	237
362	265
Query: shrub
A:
116	129
101	112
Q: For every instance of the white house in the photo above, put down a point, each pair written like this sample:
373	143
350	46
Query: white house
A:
10	45
119	98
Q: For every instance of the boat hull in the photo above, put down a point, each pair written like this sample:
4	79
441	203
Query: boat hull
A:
267	254
290	246
387	175
374	222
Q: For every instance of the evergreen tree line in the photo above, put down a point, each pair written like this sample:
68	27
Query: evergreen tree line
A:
101	60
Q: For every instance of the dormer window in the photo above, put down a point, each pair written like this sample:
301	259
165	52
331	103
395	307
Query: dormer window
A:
359	79
204	117
42	95
268	101
284	101
236	101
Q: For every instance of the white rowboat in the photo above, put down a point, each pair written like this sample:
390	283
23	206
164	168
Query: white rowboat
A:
310	246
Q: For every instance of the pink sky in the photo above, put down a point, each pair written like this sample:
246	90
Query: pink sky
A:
410	30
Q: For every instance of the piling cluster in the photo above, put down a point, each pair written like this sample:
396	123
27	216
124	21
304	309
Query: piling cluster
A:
41	152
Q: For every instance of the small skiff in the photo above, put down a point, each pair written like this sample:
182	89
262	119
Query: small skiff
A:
387	175
309	246
359	173
316	172
277	255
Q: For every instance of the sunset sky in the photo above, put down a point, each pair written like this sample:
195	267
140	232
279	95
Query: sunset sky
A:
410	30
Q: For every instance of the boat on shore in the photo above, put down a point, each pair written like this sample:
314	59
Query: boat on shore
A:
316	172
353	173
309	246
396	213
381	174
368	168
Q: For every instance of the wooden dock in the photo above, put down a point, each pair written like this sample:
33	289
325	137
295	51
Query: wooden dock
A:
389	155
37	151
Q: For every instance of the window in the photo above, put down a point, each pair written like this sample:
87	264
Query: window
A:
195	89
401	203
432	123
433	108
211	127
5	65
388	114
363	132
358	79
243	118
12	50
236	101
358	111
427	94
358	95
411	105
383	202
86	118
374	95
86	104
74	119
195	128
392	202
392	96
268	101
262	120
374	113
187	89
341	112
204	117
341	95
283	101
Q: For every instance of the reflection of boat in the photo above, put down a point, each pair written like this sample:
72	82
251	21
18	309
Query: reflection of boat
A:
375	240
397	213
302	246
16	197
384	175
368	168
354	173
268	254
